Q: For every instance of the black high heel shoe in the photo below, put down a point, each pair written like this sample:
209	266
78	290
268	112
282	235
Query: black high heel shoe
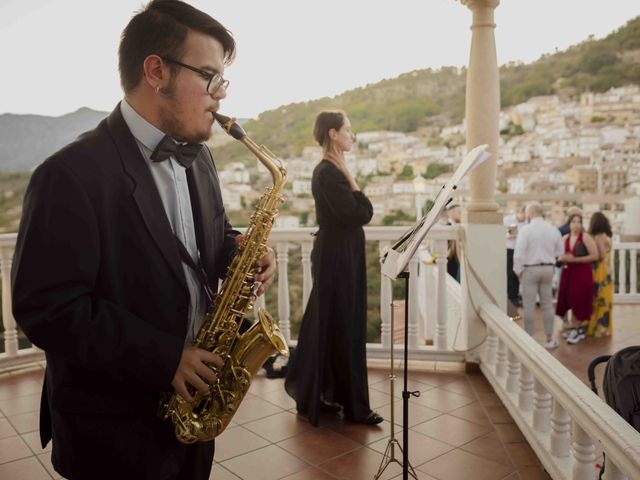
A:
374	418
272	370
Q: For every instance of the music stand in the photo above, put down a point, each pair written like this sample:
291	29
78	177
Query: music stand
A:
389	453
394	265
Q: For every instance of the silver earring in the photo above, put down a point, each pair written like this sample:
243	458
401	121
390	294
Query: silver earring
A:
157	88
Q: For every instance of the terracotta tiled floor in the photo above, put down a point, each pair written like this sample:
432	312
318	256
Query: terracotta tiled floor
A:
459	428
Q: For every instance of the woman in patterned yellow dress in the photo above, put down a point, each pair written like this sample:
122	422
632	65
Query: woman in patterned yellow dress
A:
601	323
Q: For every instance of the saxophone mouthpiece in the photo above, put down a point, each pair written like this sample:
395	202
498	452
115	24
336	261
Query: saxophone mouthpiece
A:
230	126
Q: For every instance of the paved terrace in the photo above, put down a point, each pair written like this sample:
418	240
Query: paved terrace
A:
459	426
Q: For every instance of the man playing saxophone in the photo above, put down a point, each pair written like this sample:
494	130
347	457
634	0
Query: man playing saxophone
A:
123	238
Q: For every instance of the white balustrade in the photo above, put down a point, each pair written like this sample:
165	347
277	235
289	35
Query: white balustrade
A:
307	281
441	298
8	322
385	302
561	404
542	402
430	304
633	272
513	373
283	290
287	240
491	348
560	431
501	364
414	310
525	395
13	355
584	454
626	279
436	283
622	271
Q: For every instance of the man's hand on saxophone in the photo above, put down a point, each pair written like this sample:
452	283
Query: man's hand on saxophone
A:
266	268
195	370
195	367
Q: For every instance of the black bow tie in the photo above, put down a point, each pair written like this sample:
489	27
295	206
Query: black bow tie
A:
184	154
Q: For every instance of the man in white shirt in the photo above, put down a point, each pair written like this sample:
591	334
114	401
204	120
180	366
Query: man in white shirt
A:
537	247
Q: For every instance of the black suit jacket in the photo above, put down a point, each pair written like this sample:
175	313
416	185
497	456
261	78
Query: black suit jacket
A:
98	282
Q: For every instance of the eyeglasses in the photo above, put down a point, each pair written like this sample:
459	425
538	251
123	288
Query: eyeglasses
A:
215	79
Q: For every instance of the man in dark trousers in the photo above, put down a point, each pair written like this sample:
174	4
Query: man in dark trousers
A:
122	231
514	223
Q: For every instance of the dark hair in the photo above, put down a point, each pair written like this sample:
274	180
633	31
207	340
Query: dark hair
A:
599	223
161	28
325	121
572	216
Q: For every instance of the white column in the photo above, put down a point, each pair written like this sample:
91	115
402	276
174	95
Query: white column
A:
614	274
9	323
491	348
622	272
525	397
307	281
584	455
501	365
482	102
413	302
431	299
386	297
541	408
441	298
633	272
560	431
284	308
486	280
513	377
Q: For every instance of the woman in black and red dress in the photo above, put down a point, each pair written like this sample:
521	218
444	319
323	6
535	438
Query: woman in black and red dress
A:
576	281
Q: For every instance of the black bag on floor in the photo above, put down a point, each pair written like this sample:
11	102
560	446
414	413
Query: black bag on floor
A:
620	384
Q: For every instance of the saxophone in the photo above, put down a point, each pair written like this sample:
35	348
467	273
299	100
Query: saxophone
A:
243	355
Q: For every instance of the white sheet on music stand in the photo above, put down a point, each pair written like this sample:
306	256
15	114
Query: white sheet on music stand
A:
395	261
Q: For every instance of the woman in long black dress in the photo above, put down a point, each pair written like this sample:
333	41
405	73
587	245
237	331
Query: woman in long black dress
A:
329	368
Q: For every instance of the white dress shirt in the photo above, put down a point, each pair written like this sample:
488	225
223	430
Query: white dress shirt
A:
538	243
171	179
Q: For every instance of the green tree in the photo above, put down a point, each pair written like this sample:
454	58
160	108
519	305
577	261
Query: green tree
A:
436	169
407	173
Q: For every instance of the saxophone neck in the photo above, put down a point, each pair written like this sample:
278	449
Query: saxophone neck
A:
266	157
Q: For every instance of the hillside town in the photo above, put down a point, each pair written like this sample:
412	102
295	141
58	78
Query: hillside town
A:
563	152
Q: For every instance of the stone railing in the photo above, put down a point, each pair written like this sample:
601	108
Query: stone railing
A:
430	329
561	418
13	355
625	277
434	297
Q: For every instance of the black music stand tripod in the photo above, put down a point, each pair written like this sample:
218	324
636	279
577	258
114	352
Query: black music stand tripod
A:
389	453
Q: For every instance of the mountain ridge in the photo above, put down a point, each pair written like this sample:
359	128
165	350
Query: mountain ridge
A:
406	103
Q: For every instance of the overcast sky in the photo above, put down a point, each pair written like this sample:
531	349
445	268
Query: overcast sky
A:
58	56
